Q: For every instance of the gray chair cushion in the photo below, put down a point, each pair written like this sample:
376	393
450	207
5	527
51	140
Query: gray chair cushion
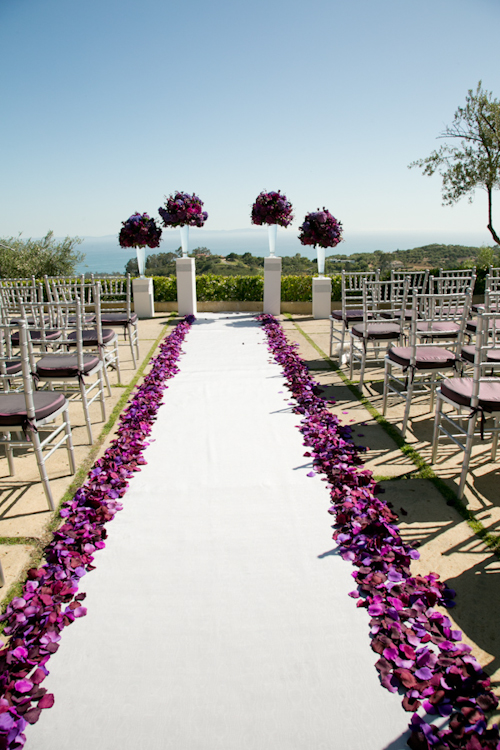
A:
89	336
428	357
468	352
36	336
13	406
122	319
459	390
377	331
438	328
64	365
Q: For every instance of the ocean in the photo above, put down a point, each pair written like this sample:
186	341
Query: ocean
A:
104	255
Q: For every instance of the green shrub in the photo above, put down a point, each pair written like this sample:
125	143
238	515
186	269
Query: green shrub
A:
212	288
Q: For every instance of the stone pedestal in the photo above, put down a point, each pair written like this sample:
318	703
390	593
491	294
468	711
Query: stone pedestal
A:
144	302
322	297
272	286
186	286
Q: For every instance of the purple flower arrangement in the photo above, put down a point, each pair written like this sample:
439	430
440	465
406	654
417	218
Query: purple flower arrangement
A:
139	231
50	599
420	655
320	228
272	208
182	210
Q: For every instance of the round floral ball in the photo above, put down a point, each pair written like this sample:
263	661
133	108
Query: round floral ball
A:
320	228
272	208
182	209
138	231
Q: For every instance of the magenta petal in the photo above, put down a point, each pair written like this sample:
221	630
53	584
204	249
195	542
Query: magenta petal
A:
423	674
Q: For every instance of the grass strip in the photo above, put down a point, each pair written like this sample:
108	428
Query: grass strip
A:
492	541
38	545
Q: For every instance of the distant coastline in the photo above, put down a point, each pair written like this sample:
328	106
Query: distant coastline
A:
103	254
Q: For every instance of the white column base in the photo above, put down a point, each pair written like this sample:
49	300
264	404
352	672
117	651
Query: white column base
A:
144	301
322	297
272	286
186	286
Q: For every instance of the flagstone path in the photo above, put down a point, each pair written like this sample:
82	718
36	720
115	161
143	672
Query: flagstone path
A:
218	615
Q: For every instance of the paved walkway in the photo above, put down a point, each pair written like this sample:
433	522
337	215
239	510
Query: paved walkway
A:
218	614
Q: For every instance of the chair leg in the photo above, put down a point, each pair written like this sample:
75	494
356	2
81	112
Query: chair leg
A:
351	357
435	434
363	363
83	392
409	395
106	375
69	441
41	468
468	452
342	342
136	334
131	342
10	456
117	362
387	373
101	392
494	444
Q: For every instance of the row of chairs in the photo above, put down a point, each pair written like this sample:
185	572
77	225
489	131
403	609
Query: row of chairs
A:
425	328
53	345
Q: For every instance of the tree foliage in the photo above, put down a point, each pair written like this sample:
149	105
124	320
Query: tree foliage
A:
23	258
475	162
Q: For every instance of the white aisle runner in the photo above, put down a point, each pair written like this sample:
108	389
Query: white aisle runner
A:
218	615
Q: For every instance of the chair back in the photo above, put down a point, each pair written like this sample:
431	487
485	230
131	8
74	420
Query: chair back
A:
352	289
487	337
418	280
13	295
67	317
6	333
65	289
440	308
491	283
115	293
385	300
453	284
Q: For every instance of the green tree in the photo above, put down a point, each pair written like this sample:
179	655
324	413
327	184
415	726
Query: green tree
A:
475	163
23	258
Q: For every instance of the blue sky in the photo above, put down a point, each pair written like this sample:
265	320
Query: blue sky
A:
109	106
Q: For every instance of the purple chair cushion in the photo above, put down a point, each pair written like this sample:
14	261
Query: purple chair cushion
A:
438	328
89	336
480	306
468	352
64	365
13	367
13	406
378	331
122	319
459	390
36	336
397	314
428	357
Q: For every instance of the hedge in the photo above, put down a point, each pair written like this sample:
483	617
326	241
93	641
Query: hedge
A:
212	288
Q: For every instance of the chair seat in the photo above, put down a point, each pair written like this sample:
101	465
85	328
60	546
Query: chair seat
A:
459	390
352	316
428	357
13	367
64	365
438	328
118	319
89	336
481	306
37	336
377	331
471	325
468	352
29	321
13	406
397	314
87	319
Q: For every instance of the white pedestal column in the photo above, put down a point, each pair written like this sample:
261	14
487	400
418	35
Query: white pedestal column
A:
272	286
322	297
144	302
186	286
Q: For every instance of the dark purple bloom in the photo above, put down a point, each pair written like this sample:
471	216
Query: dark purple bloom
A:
272	208
139	231
320	228
182	209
